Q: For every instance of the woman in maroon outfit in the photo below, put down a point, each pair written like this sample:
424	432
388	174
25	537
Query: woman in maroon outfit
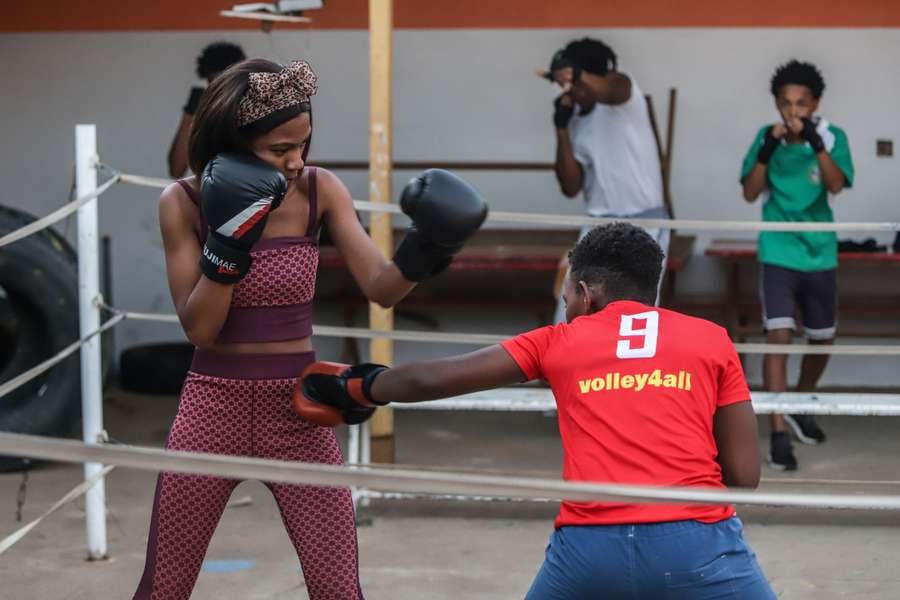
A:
244	297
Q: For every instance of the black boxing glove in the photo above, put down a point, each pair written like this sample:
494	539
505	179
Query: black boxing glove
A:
237	193
445	210
812	136
190	107
768	147
562	114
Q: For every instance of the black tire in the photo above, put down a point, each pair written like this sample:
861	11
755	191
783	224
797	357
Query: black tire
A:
155	368
39	317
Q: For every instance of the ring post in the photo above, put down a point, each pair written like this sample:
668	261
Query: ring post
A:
353	456
89	322
365	457
380	170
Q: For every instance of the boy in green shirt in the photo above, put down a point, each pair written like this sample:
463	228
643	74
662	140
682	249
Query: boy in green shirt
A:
797	162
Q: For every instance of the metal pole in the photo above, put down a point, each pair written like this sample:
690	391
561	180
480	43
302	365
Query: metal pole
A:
365	456
89	321
353	455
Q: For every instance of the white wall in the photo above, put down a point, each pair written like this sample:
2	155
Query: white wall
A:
459	95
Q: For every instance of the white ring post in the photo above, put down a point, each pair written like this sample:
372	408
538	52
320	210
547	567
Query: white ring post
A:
89	321
365	457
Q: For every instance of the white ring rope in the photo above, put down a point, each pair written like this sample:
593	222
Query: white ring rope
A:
496	216
483	339
410	480
79	490
141	180
36	370
57	215
399	482
527	398
544	473
578	221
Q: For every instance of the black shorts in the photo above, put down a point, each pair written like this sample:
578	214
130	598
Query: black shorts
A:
782	291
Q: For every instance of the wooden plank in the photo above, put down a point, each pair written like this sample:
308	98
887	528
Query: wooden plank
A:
382	350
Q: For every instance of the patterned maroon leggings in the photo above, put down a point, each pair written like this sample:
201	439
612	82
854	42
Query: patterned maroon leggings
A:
249	417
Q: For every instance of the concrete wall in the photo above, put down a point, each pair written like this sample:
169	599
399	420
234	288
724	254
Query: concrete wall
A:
460	94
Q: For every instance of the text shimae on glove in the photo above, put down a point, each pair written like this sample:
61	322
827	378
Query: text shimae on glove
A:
445	211
237	193
328	393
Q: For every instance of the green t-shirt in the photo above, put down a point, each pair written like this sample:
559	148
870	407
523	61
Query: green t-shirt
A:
796	192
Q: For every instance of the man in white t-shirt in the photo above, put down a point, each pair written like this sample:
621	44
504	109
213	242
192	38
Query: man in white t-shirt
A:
604	141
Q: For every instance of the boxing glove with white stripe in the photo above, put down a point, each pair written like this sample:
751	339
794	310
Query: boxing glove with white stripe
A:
237	193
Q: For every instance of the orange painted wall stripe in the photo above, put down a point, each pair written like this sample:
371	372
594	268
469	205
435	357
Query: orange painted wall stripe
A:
168	15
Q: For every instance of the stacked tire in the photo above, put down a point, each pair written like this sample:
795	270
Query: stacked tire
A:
38	318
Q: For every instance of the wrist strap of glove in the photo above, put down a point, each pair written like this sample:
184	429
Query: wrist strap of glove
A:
562	114
816	142
811	135
193	101
360	388
767	149
418	263
222	263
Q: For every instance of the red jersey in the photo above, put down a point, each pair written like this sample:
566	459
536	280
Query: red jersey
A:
636	388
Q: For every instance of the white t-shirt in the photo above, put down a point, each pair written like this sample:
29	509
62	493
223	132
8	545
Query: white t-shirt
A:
617	151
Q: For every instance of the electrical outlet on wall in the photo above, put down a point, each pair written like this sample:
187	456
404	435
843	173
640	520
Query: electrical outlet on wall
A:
884	147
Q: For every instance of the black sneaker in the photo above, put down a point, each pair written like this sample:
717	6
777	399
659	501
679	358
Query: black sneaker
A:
805	429
781	453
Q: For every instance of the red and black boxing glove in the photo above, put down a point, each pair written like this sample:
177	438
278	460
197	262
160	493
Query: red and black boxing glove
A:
329	393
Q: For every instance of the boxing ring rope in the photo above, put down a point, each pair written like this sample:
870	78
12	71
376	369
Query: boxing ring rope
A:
26	376
73	494
418	481
531	399
484	339
57	215
496	216
369	481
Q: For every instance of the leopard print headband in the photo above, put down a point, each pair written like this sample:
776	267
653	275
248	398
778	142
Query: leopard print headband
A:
283	92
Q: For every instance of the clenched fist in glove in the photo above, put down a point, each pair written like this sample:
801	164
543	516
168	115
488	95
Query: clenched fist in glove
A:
563	109
237	193
330	393
811	134
445	211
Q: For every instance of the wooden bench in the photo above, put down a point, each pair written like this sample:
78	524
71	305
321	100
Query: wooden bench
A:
503	268
739	315
494	265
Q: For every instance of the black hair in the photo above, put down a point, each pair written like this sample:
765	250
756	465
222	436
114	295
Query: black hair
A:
217	57
798	73
591	55
621	256
215	127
